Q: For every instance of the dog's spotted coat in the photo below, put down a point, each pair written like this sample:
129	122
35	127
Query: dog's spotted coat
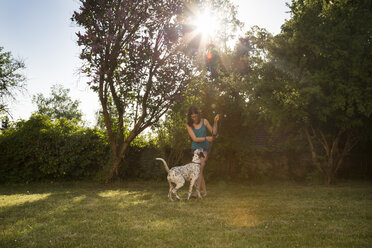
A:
179	174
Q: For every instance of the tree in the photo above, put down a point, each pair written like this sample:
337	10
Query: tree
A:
317	77
210	25
11	79
135	57
59	105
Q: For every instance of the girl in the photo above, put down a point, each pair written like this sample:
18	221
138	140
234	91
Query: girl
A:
197	129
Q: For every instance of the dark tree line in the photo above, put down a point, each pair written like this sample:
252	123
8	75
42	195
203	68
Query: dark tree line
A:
301	97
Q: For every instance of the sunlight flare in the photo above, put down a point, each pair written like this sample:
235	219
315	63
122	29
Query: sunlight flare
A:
206	23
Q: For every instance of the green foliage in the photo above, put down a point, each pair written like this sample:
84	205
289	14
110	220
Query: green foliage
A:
59	105
134	55
41	149
11	79
316	77
236	153
323	58
172	137
140	163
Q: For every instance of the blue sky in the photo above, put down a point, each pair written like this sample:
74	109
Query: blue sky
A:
41	33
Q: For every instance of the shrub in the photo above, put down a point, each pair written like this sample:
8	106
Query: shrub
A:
40	149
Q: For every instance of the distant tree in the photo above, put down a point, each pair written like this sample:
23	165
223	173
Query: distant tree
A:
136	60
317	77
4	122
11	78
59	105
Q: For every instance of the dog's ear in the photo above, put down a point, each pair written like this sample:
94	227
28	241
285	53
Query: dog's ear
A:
201	155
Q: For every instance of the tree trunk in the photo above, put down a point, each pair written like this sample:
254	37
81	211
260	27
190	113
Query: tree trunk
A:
114	171
314	156
118	158
330	179
334	158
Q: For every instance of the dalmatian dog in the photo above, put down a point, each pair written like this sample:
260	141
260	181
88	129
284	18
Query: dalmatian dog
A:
179	174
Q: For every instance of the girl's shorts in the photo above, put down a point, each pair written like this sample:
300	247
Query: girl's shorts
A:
204	150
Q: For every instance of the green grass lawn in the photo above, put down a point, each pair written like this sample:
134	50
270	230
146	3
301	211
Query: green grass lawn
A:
136	214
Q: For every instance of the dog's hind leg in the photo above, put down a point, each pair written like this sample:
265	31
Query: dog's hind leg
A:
179	184
170	191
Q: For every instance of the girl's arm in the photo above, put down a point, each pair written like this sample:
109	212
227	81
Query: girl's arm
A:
206	123
214	129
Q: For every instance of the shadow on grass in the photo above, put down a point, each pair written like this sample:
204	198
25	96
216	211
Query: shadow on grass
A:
95	214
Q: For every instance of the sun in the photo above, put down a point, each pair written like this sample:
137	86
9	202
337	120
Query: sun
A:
206	24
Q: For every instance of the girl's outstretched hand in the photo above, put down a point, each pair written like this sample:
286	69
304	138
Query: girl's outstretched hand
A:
217	117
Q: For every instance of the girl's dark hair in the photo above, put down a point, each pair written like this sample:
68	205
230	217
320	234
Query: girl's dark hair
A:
192	110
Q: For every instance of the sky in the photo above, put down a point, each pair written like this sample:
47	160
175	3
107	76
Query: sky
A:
41	33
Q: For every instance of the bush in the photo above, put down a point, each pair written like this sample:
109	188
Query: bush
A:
140	163
40	149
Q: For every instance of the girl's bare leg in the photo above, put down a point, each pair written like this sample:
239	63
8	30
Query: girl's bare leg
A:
201	181
201	178
204	188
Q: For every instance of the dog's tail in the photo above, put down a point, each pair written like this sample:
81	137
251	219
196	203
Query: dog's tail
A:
165	164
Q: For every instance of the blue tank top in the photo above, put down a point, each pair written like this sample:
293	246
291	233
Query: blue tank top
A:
200	133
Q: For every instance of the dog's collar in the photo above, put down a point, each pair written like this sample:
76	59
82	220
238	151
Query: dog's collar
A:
195	162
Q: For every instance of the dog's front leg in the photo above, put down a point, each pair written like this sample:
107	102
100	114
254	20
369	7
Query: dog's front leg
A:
198	191
193	183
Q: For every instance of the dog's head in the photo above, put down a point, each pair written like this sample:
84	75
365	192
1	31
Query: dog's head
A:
198	154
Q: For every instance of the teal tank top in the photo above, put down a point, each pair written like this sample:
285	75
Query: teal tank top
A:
200	133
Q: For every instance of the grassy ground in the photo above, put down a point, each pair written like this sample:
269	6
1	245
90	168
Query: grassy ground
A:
139	215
